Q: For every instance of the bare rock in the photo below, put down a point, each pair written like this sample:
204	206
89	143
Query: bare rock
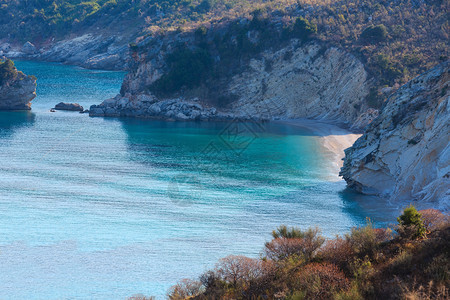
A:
69	106
29	48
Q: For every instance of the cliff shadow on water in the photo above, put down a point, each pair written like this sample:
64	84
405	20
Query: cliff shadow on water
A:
11	121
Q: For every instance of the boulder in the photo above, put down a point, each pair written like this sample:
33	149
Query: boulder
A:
96	111
29	48
69	106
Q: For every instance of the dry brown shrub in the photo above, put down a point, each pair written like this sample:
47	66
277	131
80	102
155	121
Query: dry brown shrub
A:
382	234
184	289
338	251
281	248
141	297
321	281
429	292
239	270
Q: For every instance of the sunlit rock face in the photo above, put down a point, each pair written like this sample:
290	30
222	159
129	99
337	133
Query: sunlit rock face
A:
404	153
309	81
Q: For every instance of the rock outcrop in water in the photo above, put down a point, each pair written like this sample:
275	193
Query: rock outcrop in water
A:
69	106
296	81
404	153
16	89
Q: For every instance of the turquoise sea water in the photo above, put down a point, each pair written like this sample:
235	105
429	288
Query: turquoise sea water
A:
108	208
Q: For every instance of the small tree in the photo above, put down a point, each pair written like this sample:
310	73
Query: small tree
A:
374	34
411	224
303	29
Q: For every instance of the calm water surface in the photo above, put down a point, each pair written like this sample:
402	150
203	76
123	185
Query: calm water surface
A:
107	208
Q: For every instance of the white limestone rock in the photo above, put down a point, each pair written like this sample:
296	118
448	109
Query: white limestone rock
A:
404	153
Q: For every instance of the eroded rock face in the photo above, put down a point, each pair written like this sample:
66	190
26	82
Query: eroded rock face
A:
303	82
18	93
298	81
404	153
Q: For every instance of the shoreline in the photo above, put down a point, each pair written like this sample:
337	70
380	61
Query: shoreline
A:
332	138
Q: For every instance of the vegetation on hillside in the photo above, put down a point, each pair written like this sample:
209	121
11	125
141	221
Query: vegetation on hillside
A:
56	18
395	39
411	262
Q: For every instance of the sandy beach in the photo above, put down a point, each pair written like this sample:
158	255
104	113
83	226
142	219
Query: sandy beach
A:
332	138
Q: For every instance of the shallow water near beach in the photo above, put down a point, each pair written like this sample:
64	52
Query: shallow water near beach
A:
108	208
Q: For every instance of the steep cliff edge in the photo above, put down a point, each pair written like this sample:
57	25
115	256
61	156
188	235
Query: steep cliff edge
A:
16	89
404	153
312	81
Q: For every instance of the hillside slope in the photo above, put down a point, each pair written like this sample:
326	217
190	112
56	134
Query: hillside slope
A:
396	40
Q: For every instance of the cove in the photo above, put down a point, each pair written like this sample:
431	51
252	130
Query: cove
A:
107	208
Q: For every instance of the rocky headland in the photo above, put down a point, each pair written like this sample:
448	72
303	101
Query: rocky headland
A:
296	81
404	154
16	89
88	50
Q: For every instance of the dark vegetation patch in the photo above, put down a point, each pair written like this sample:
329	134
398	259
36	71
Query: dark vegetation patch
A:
8	71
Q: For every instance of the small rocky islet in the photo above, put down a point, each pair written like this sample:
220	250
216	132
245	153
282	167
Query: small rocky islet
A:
17	90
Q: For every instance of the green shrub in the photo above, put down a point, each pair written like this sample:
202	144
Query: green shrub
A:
374	34
288	233
374	98
303	29
187	68
389	71
8	71
363	240
411	224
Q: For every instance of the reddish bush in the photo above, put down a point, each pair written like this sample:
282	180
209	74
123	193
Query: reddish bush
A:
434	219
382	234
240	271
338	251
302	244
321	281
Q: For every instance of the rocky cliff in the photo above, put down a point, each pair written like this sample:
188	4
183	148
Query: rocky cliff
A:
404	153
297	81
16	89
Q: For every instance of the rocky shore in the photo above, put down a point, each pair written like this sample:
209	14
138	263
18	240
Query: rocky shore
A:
404	154
16	89
88	50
